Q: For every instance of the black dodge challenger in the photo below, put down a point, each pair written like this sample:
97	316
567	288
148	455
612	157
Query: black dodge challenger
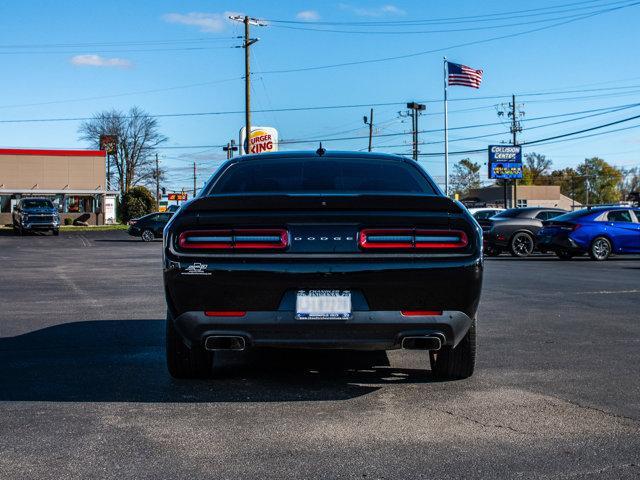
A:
333	250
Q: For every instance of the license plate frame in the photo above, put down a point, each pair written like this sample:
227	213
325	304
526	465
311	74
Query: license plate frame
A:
316	304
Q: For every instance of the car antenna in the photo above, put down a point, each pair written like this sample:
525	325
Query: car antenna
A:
320	151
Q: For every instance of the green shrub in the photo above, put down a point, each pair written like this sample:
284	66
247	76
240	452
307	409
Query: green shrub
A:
137	202
68	221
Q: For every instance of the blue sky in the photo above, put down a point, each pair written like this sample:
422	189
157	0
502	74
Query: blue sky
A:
70	59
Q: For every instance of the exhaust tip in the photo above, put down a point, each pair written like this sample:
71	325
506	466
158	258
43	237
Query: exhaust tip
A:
225	342
421	343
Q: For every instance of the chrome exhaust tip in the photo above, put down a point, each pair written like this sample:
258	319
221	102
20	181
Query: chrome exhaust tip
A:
421	343
224	342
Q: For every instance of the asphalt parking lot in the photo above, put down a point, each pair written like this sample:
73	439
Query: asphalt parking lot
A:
84	392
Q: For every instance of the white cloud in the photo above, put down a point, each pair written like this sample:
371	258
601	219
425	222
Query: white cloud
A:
381	11
308	16
207	22
98	61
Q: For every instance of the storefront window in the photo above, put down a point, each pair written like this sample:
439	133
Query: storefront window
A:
77	204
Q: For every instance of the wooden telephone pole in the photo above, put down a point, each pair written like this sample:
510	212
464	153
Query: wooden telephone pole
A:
248	41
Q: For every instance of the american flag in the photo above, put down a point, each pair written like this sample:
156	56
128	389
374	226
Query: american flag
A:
463	75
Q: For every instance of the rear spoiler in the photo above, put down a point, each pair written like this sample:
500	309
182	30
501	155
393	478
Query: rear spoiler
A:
291	202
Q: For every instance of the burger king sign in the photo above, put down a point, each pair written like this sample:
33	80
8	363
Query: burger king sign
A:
262	139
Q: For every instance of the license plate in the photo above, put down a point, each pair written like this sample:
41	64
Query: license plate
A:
323	304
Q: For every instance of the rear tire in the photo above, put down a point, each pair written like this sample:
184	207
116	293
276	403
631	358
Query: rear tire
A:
600	249
455	363
522	245
185	362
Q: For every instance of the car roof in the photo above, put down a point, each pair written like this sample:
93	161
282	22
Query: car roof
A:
35	198
326	154
535	209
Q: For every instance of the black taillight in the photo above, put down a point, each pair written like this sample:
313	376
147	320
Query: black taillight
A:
236	239
412	239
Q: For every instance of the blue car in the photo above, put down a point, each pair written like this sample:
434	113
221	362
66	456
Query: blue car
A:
600	232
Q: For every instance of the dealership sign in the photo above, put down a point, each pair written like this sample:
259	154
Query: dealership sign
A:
505	161
262	139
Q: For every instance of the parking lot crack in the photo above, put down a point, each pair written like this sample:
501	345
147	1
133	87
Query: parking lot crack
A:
483	424
599	410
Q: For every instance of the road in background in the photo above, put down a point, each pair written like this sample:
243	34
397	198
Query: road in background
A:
84	392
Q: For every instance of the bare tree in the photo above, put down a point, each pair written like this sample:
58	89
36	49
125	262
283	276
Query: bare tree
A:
138	137
535	169
466	176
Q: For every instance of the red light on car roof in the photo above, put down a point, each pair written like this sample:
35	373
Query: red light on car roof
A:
420	313
224	313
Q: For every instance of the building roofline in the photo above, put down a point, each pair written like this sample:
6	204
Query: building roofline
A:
53	191
48	152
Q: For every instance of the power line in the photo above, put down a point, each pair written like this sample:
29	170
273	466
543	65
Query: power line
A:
445	30
139	92
450	47
412	22
310	108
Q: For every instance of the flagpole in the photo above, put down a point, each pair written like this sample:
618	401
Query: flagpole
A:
446	133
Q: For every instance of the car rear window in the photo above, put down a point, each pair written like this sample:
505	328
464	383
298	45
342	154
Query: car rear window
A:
321	175
511	213
565	217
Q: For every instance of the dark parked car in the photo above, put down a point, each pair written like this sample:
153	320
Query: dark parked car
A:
599	232
322	250
35	214
515	230
150	226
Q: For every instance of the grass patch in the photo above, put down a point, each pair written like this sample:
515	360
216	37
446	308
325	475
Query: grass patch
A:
98	228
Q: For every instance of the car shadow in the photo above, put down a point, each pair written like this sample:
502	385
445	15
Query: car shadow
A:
123	240
542	258
123	361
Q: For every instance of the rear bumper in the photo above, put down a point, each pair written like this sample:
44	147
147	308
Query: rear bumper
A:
560	242
366	330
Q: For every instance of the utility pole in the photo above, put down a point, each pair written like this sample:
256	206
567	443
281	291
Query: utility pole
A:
370	123
157	175
247	66
194	179
514	112
230	148
415	109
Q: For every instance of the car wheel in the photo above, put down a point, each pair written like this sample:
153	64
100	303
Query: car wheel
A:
600	249
185	362
148	236
455	363
564	255
56	232
492	251
522	245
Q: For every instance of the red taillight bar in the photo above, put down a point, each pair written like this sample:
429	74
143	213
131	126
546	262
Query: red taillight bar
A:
411	239
239	239
394	238
224	313
420	313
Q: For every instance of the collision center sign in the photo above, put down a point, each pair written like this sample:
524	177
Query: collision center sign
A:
262	139
505	161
